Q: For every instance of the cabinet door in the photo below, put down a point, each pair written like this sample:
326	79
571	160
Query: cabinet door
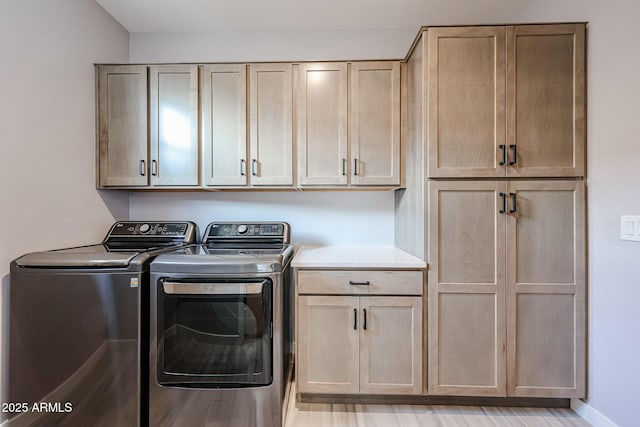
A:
546	289
327	337
391	345
271	100
546	92
322	124
466	111
173	124
466	315
375	123
122	125
224	124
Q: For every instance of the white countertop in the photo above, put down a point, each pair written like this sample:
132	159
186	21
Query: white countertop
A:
355	257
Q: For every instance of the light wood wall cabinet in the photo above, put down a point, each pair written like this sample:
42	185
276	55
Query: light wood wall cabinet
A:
363	97
224	124
266	157
122	126
361	341
271	125
148	134
162	148
230	126
173	125
507	288
321	104
506	101
375	123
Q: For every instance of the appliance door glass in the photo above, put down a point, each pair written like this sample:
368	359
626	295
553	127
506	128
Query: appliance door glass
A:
215	333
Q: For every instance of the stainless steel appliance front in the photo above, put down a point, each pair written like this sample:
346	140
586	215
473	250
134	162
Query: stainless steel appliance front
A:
78	327
218	331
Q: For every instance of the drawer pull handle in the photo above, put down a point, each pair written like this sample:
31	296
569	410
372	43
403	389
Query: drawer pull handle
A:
352	283
514	207
355	318
514	149
364	326
503	148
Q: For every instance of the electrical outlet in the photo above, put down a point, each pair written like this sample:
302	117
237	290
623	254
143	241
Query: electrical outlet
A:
630	227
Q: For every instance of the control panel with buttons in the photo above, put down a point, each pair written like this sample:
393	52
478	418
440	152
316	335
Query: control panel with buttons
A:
165	229
221	230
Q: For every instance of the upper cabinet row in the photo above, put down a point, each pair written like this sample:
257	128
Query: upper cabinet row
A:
506	101
232	125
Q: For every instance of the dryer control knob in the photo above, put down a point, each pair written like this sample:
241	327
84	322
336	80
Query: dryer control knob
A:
144	228
242	229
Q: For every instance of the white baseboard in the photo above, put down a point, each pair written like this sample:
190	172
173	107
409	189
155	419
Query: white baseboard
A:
590	414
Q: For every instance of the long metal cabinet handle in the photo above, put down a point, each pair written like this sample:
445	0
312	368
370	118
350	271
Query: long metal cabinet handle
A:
143	168
352	283
242	167
154	168
253	166
355	167
504	203
344	167
514	206
514	150
503	148
364	325
355	318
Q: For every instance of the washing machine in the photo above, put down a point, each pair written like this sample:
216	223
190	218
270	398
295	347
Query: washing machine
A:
78	329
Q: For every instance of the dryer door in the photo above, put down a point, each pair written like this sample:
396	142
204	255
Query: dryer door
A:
215	333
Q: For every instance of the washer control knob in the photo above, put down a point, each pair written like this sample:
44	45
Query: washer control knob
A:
144	228
242	229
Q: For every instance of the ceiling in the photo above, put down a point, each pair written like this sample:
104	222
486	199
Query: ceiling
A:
260	15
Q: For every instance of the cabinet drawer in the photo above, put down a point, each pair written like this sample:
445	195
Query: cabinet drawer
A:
346	282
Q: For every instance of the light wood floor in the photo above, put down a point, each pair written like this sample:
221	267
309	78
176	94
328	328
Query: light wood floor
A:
357	415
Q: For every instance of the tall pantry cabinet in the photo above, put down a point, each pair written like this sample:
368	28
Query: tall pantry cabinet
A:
503	132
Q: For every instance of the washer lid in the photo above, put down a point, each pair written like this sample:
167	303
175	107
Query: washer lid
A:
94	256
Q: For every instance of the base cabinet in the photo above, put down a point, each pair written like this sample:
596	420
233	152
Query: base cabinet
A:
328	344
507	288
351	344
391	345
